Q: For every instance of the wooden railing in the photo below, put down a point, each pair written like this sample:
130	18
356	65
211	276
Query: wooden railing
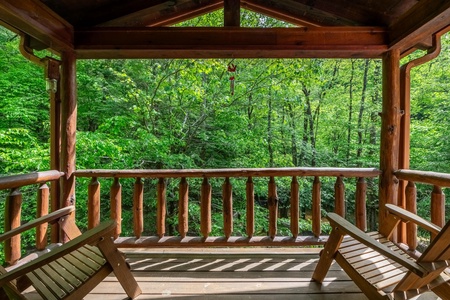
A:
227	239
13	207
437	203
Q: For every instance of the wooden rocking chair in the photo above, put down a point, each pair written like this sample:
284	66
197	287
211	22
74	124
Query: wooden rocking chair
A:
72	270
380	268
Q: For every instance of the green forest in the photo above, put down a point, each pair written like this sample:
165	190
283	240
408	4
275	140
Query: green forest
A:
181	114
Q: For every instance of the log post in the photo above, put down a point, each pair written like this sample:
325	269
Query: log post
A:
93	203
13	209
339	197
115	195
68	129
138	208
295	207
205	208
316	207
437	207
42	210
52	74
390	123
250	197
227	195
183	207
360	209
161	208
411	205
272	201
232	12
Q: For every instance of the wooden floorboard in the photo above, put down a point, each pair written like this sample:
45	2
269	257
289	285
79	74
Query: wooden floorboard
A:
229	274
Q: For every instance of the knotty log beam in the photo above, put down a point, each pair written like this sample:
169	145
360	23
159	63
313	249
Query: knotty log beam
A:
423	20
433	178
180	42
35	19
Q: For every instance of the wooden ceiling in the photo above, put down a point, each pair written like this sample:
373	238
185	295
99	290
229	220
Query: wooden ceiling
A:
140	28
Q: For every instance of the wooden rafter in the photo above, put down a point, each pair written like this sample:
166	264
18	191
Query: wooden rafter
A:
295	13
166	13
38	21
423	20
177	42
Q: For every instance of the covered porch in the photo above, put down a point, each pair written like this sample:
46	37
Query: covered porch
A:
198	264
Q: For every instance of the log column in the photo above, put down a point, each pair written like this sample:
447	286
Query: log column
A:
53	77
68	127
390	123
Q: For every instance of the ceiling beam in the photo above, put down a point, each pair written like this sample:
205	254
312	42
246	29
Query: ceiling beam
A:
167	13
35	19
295	13
232	13
182	42
419	23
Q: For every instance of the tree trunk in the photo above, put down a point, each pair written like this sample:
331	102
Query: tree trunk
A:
361	112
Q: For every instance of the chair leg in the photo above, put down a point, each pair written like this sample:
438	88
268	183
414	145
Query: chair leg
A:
120	268
327	255
442	290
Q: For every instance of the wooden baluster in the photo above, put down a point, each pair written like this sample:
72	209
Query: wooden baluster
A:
272	202
316	207
116	205
138	211
411	205
205	203
42	210
227	195
161	208
360	209
295	207
437	207
93	203
339	198
183	208
250	196
13	207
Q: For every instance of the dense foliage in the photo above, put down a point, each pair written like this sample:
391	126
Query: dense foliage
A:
162	114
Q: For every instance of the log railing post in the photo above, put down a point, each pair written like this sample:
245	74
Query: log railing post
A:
316	207
361	189
183	207
272	201
205	208
250	197
437	207
13	208
116	205
161	208
339	197
227	195
138	208
42	210
93	203
295	207
411	205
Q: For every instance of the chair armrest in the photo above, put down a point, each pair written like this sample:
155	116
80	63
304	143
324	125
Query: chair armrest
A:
92	236
52	217
408	216
359	235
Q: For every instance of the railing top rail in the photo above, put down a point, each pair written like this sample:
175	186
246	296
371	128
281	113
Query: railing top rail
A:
433	178
14	181
247	172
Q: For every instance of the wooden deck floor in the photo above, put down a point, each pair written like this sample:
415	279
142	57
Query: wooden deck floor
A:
263	273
